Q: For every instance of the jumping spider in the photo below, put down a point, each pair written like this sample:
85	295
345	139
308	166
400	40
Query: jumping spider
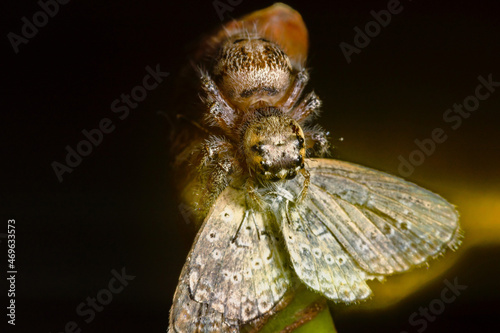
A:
259	129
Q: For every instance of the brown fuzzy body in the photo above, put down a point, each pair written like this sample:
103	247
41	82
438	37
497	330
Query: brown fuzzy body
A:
249	127
249	69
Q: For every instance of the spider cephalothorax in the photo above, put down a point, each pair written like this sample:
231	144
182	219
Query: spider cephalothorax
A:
273	144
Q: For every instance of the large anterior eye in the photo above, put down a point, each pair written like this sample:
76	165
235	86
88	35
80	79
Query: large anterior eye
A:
257	148
301	142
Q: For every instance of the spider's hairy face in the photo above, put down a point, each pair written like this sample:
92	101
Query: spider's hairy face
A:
250	69
274	147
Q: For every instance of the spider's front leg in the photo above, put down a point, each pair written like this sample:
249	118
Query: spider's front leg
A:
317	144
309	106
220	113
295	91
217	167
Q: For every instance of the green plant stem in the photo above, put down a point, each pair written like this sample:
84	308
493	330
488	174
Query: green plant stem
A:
308	312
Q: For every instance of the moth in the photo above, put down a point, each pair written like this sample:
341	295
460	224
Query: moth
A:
251	167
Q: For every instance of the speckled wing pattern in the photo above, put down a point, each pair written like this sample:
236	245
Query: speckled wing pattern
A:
188	315
358	224
354	225
238	266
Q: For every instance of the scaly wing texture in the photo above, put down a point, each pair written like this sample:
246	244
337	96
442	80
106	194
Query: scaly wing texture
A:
188	315
357	223
237	265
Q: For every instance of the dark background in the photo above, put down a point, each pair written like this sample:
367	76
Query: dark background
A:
117	208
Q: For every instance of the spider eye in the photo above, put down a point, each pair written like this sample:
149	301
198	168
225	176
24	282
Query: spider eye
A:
301	142
265	165
299	161
257	148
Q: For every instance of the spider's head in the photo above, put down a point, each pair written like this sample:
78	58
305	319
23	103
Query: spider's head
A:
274	145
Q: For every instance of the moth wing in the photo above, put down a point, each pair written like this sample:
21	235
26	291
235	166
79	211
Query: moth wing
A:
237	265
187	315
357	223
